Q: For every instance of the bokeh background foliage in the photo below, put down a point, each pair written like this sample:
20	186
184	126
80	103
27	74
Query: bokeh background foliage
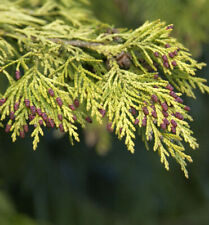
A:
92	184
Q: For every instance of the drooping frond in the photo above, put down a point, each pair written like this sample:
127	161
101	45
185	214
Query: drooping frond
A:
64	68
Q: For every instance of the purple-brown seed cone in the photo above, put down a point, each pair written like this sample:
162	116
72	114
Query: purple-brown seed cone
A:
76	103
169	87
31	117
145	110
175	52
102	111
59	101
39	112
51	92
27	103
51	122
174	63
154	114
171	55
173	122
7	128
2	101
133	111
61	127
88	119
72	107
165	59
74	117
22	134
179	116
164	106
165	121
153	107
173	130
44	116
166	64
60	117
187	108
170	27
17	75
16	106
167	46
156	76
136	121
180	100
154	98
33	109
163	126
144	122
25	128
173	94
165	113
109	127
40	122
12	115
156	54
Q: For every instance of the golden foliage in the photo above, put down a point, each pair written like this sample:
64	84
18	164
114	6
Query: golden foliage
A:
52	59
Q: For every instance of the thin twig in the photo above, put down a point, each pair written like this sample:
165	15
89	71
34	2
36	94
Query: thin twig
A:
76	43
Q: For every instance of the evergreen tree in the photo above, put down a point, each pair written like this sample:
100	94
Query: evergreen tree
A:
64	69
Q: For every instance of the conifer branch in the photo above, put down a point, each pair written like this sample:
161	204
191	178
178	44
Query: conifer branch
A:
66	72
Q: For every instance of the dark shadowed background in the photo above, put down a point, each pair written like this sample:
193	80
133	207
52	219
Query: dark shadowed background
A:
81	185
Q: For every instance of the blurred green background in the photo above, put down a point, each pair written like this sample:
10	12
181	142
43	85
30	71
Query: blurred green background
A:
92	183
